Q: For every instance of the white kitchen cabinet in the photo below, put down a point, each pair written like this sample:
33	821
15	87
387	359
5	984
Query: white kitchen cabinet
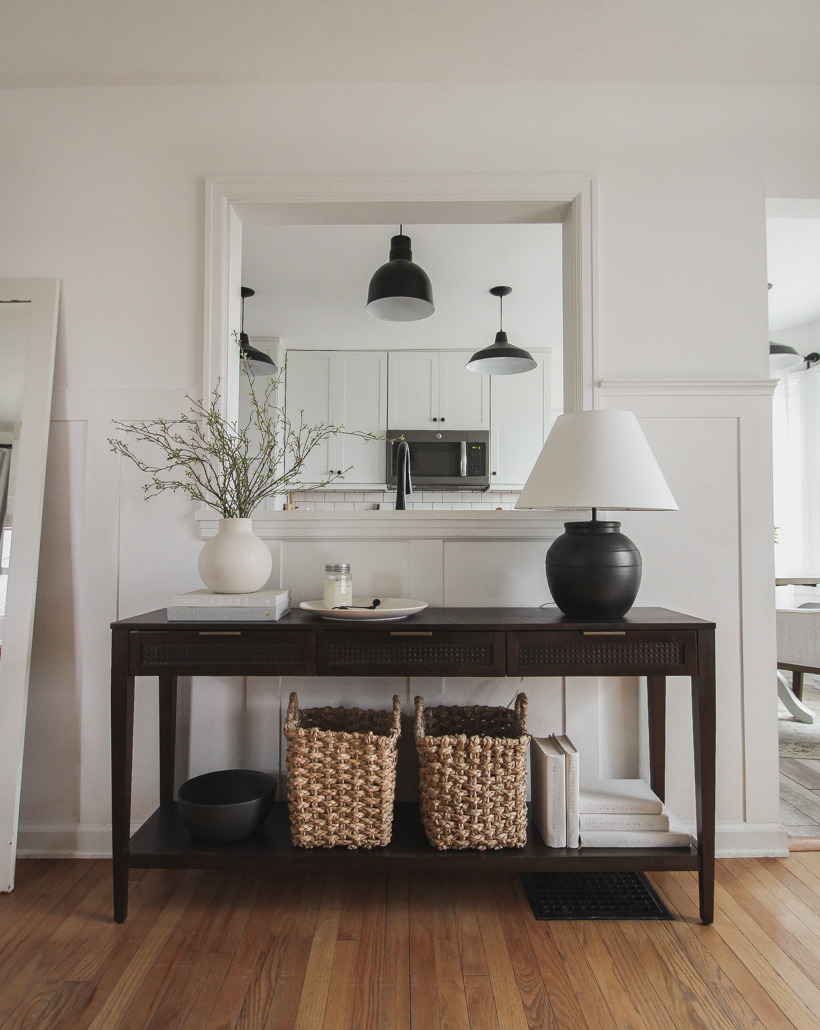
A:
308	399
344	388
428	388
520	423
464	397
413	394
360	385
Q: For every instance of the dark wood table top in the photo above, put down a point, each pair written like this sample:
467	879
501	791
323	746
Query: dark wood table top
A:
475	619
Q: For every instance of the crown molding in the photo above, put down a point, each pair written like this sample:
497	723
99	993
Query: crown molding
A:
687	387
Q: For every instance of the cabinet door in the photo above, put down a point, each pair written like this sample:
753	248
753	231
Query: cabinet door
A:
464	397
413	390
360	392
520	423
308	398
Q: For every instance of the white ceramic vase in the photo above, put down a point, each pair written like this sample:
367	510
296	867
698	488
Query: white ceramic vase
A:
235	561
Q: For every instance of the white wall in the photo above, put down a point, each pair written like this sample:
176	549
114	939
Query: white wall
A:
104	189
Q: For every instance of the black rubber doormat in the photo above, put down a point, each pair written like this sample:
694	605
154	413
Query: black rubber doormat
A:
593	896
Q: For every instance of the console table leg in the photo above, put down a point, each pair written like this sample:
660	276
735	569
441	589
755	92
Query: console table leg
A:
656	703
122	747
703	725
167	736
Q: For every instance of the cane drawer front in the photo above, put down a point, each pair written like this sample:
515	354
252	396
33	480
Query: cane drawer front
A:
411	653
228	652
603	653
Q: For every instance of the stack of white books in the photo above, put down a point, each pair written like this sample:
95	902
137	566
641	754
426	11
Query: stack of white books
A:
627	814
555	790
203	606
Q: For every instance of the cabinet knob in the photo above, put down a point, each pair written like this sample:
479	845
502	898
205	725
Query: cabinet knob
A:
495	473
436	420
442	420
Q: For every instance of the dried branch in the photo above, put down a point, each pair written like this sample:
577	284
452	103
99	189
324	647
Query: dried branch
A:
218	463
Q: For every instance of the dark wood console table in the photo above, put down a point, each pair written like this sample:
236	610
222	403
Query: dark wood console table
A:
651	642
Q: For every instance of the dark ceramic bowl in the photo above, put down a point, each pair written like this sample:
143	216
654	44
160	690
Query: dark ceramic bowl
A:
227	805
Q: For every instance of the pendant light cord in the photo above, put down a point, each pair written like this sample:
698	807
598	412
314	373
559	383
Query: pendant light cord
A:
501	313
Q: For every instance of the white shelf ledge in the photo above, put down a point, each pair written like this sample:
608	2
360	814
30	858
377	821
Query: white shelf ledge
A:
398	525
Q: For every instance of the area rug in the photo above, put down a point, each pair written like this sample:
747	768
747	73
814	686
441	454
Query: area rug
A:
797	739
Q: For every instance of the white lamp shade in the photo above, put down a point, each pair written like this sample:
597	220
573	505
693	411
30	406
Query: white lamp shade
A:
597	459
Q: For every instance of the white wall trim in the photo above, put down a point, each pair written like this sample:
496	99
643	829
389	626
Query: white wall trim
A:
688	387
75	840
388	525
227	198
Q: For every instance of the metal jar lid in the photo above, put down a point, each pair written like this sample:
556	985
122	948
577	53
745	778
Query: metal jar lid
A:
343	569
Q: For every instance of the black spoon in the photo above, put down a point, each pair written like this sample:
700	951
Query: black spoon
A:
363	607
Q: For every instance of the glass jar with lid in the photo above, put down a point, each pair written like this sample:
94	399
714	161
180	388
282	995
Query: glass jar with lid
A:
338	586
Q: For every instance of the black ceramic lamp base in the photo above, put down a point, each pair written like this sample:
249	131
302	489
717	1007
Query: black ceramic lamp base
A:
593	570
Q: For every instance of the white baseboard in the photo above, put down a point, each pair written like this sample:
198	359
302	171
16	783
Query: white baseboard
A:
66	840
750	840
75	840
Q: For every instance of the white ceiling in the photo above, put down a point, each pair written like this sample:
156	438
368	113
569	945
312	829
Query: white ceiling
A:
100	42
311	285
793	246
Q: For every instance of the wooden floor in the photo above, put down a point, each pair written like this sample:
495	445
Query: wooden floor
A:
213	951
800	796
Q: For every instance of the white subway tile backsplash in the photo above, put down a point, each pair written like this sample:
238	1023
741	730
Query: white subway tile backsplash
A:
422	500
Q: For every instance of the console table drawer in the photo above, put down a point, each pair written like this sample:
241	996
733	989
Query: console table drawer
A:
411	653
602	653
228	652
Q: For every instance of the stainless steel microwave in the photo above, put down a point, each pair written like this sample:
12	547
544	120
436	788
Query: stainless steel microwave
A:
443	459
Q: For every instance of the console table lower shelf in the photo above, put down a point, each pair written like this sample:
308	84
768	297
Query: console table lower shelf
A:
163	842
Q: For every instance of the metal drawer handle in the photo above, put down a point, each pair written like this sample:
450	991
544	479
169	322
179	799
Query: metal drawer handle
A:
220	633
411	633
604	632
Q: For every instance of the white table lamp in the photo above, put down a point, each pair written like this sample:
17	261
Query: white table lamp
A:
592	460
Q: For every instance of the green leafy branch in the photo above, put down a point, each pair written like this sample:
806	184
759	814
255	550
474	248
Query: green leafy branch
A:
229	467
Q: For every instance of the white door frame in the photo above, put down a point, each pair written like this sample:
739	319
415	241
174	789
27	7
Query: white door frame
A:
569	199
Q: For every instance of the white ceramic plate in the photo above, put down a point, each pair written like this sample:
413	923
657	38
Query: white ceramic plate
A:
390	608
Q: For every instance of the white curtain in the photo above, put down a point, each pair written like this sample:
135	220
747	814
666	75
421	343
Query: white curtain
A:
796	428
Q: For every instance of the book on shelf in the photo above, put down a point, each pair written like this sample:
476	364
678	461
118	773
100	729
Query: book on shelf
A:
202	605
635	839
572	787
620	821
624	797
549	791
627	814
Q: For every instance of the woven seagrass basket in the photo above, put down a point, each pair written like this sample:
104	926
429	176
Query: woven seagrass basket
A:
341	775
473	774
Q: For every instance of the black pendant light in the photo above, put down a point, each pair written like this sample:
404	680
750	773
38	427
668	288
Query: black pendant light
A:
501	358
400	291
254	362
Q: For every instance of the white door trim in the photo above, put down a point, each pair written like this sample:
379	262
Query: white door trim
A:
230	200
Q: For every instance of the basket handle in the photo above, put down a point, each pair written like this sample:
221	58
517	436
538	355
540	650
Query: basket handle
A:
419	726
521	705
293	709
397	713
